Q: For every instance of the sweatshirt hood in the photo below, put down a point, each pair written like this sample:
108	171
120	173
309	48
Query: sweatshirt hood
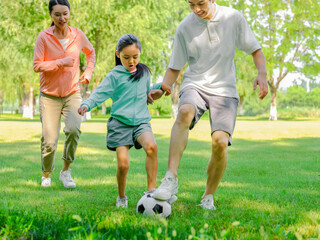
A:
73	32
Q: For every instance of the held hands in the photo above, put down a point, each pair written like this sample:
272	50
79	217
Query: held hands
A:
166	88
261	80
155	94
82	110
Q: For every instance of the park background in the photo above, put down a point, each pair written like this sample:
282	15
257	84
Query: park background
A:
271	186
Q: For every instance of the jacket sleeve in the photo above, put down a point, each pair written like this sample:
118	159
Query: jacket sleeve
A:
103	92
90	56
39	64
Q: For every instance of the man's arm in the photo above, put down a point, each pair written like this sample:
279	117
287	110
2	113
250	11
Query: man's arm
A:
261	79
169	78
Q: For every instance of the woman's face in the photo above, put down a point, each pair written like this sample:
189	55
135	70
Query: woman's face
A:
202	8
129	57
60	16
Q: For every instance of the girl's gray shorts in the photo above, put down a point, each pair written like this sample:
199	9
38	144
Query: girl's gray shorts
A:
121	134
222	110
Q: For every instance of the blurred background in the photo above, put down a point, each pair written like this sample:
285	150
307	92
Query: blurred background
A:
288	31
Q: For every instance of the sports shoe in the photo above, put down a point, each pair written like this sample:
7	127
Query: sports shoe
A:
167	188
170	200
66	179
122	202
45	182
207	202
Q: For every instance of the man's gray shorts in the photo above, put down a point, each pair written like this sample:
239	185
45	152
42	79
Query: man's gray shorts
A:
120	134
223	110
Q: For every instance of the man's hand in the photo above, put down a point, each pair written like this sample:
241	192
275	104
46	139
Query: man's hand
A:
154	94
166	89
82	110
261	80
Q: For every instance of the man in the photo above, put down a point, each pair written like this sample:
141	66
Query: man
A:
207	39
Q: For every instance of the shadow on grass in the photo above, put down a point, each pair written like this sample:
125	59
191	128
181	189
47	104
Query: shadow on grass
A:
266	183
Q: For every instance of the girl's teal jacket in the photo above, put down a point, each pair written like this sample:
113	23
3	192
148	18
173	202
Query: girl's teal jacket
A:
129	97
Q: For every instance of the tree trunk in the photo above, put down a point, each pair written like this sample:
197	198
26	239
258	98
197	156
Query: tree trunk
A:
1	102
27	104
104	109
241	105
175	96
273	106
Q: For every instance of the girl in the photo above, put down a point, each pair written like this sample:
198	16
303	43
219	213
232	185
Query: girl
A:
127	84
56	57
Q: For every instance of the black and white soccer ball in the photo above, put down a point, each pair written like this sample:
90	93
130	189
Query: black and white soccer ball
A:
152	207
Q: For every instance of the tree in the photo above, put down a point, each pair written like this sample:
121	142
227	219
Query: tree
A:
289	34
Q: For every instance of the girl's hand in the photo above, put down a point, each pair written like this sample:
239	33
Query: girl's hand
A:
82	110
83	80
68	62
154	94
166	88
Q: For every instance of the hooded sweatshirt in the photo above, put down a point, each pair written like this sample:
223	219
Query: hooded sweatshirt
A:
49	57
129	97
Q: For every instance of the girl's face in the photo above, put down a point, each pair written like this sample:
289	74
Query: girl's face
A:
129	57
202	8
60	16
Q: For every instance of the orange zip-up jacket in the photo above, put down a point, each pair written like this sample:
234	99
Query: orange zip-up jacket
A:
48	59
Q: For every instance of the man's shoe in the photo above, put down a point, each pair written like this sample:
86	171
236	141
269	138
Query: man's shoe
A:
207	202
45	182
167	188
66	179
171	200
122	202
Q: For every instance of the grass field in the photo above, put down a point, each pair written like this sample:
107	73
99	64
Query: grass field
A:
270	189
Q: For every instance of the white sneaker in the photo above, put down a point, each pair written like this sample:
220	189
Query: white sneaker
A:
167	188
122	202
171	200
45	182
207	202
66	179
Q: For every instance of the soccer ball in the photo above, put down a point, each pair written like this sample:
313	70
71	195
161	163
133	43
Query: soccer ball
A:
149	206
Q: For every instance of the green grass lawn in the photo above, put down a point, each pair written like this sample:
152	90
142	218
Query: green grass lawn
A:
270	189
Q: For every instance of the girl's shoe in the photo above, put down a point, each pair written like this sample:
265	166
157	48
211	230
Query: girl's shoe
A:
122	202
207	202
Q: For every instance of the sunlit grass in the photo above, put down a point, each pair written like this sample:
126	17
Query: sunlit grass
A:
270	189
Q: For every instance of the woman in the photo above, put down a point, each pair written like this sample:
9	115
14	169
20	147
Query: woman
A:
56	57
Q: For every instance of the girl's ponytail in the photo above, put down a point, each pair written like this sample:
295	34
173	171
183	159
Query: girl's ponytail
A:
141	70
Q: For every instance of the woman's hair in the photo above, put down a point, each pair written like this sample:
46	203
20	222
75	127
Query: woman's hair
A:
127	40
52	3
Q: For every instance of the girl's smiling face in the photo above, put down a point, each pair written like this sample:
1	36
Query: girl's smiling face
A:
129	57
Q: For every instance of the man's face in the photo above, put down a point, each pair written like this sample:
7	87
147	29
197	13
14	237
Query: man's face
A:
202	8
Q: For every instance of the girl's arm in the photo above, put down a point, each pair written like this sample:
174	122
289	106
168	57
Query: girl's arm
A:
40	65
103	92
91	59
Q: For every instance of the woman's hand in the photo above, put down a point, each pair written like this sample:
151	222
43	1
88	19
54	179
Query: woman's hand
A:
68	62
83	80
82	110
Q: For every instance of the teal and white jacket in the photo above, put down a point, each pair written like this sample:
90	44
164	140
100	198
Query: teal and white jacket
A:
129	97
